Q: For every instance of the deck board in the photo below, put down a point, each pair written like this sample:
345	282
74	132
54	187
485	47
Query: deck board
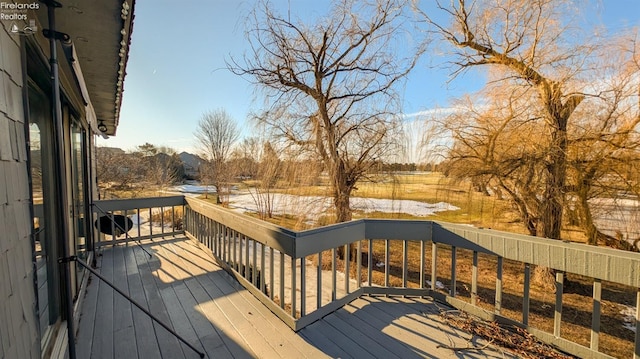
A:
103	329
146	340
168	344
123	327
182	285
280	337
88	320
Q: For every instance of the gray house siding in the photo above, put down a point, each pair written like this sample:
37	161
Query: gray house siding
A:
19	337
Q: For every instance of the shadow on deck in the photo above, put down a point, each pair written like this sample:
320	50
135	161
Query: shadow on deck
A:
182	285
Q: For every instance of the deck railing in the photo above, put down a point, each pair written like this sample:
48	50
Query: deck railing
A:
301	278
149	218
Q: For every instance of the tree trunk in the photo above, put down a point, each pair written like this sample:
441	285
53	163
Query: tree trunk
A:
556	167
553	197
341	201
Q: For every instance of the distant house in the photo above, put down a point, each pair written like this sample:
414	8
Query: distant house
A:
47	166
191	165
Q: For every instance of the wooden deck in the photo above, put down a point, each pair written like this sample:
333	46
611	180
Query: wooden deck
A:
183	287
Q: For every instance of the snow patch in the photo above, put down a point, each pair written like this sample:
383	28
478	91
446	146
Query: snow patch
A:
315	206
629	317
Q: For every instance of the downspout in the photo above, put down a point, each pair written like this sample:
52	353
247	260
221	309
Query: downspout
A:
61	188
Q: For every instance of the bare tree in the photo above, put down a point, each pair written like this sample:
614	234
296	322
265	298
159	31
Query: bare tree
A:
217	132
116	169
492	148
331	86
159	165
528	40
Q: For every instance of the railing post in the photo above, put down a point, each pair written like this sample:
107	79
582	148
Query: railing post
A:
557	319
595	319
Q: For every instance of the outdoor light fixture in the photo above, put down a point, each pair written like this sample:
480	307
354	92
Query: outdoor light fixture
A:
102	127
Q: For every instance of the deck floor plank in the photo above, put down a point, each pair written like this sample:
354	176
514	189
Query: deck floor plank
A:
201	332
359	336
169	345
103	344
370	330
124	336
207	308
226	297
146	339
284	340
87	320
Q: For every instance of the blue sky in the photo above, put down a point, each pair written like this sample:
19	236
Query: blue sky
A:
176	69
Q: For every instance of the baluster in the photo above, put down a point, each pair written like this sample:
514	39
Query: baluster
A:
319	281
474	279
359	264
370	262
434	265
422	264
595	319
525	298
405	249
452	292
248	258
293	287
262	268
386	263
271	273
557	319
254	265
303	286
636	354
347	269
498	304
281	280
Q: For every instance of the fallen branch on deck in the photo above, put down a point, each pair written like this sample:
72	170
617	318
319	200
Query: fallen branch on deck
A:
513	338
